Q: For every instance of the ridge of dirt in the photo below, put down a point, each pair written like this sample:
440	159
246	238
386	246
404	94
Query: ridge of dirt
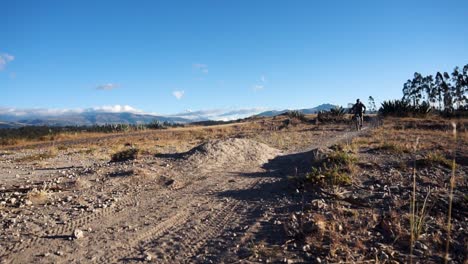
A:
232	150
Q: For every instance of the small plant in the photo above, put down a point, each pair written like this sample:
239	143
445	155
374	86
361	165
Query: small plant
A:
297	115
38	196
124	155
336	169
156	125
337	114
341	157
437	158
403	108
51	153
393	147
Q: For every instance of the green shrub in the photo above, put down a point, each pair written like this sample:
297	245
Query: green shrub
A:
124	155
297	115
335	169
433	158
336	114
403	108
329	176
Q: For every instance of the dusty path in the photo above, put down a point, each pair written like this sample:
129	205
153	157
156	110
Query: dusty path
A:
209	212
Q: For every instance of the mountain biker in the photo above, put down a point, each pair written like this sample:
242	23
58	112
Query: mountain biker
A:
358	110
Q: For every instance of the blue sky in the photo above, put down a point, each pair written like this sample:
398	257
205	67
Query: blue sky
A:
170	56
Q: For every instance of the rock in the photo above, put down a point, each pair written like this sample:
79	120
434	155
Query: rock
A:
421	246
319	204
384	256
77	234
13	200
28	202
148	256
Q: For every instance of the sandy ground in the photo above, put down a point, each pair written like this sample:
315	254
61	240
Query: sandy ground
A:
228	196
203	206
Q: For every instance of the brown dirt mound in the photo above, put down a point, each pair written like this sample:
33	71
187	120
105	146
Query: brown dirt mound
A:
233	150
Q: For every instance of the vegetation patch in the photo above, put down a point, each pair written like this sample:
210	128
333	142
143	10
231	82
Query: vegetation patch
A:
335	115
38	196
402	108
336	168
297	115
435	158
393	148
51	153
124	155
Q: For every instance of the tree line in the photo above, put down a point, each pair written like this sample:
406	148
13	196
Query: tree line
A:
444	92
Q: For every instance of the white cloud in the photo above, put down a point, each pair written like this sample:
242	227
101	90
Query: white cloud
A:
220	114
261	85
258	87
5	58
178	94
15	114
116	109
59	112
201	67
107	86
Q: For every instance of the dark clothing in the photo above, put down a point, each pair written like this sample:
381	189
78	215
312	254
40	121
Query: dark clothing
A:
358	109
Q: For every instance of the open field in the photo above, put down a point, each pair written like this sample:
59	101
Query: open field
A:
243	192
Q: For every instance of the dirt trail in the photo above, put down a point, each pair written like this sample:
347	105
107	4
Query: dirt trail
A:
219	196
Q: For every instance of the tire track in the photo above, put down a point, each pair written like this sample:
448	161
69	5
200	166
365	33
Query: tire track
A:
177	225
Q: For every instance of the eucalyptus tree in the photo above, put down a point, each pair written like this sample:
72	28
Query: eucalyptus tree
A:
447	92
406	90
438	84
416	88
427	88
458	87
465	86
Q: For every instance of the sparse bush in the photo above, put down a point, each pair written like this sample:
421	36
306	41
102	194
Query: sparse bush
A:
155	125
38	196
403	108
337	114
335	169
50	153
393	147
435	158
297	115
124	155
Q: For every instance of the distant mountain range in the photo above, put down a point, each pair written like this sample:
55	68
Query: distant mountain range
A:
322	107
85	119
11	118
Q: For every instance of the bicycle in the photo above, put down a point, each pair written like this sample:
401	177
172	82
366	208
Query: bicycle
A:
357	122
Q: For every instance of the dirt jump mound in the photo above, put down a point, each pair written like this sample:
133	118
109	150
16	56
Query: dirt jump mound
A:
231	151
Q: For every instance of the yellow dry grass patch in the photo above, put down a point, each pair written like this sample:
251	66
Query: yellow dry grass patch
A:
38	196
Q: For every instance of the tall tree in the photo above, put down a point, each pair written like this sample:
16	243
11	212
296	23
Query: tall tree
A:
428	87
416	88
407	90
457	87
465	86
372	106
447	92
438	84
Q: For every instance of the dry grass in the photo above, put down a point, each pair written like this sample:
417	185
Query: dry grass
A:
81	183
124	155
50	153
38	196
436	157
